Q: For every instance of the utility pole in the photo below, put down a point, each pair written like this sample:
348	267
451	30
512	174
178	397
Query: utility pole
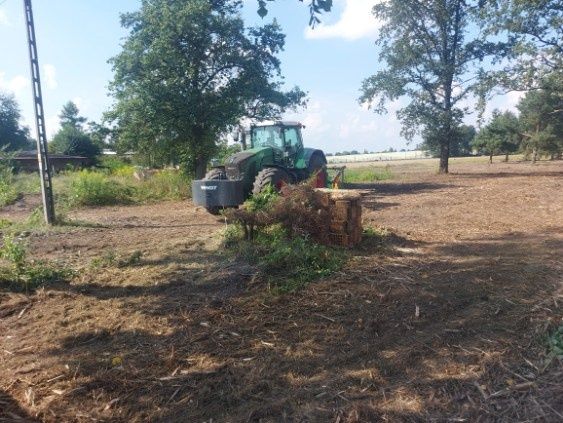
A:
42	156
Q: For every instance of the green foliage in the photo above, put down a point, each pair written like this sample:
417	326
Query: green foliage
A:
461	143
367	174
25	275
114	164
8	192
173	100
500	135
555	343
281	234
96	189
70	116
533	36
74	142
431	55
13	136
541	120
164	185
286	263
261	201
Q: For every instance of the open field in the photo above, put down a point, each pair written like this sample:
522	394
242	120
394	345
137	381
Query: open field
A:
444	319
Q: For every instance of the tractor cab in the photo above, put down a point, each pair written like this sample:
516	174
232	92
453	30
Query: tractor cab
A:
284	137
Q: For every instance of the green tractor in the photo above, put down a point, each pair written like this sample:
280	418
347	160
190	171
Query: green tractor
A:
273	155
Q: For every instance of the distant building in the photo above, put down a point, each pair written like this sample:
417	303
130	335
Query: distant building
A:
27	161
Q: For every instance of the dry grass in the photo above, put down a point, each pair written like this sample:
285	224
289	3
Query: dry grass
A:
444	318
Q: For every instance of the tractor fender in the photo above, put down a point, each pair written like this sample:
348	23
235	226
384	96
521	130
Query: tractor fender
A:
304	157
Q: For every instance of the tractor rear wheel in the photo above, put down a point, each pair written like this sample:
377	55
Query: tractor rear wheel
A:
317	170
273	176
214	175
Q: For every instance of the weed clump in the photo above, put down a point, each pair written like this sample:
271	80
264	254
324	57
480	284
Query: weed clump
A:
26	275
96	189
8	192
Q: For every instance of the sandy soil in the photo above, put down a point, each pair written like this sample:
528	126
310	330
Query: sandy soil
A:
446	321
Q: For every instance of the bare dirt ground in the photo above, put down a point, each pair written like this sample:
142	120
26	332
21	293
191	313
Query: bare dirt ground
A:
445	322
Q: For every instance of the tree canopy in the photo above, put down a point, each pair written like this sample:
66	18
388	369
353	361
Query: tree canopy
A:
190	71
532	32
541	117
13	136
71	139
500	136
433	58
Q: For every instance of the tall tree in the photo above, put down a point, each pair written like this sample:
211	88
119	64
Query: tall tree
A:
541	119
71	139
70	116
189	71
13	136
500	135
431	52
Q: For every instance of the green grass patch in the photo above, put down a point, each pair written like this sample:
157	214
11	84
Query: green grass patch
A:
287	264
367	174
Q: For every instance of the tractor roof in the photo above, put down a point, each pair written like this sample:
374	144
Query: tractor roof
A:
280	123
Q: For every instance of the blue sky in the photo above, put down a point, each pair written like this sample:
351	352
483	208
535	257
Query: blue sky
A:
76	38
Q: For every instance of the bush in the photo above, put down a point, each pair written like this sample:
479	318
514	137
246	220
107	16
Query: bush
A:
96	189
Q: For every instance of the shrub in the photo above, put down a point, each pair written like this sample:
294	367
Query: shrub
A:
96	189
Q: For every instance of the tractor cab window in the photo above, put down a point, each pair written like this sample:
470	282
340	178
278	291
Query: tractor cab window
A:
291	138
267	136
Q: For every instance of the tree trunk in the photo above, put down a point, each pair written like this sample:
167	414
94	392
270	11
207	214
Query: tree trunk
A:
506	157
534	155
200	167
491	158
444	156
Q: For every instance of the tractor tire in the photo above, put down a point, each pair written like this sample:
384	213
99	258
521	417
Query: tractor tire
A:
273	176
317	166
213	175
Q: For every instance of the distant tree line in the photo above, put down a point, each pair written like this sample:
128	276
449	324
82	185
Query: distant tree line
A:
76	137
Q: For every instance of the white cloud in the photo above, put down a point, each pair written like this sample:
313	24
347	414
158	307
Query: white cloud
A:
52	126
50	76
357	21
14	85
4	18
